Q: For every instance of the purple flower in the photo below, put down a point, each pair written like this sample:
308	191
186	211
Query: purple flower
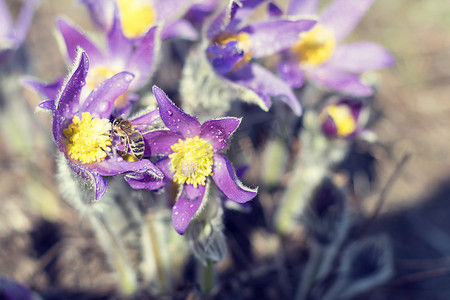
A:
12	35
320	58
190	155
233	47
344	118
82	130
139	15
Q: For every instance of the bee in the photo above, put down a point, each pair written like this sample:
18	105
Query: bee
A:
130	136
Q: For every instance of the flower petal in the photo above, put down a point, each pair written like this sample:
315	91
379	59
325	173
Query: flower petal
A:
273	10
141	122
342	16
345	82
175	118
74	39
225	178
188	202
163	165
158	142
116	165
302	7
267	85
144	181
217	132
49	91
6	22
143	60
100	102
270	37
97	180
291	73
181	29
24	19
68	102
101	12
119	46
223	58
360	57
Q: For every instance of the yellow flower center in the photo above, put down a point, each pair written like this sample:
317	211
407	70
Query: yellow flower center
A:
191	161
315	46
99	74
244	44
88	139
137	16
343	119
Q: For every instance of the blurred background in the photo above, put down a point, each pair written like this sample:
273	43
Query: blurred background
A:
45	245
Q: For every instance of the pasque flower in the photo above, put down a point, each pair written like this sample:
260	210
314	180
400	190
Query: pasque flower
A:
189	156
343	118
121	54
233	46
139	15
319	56
82	128
13	34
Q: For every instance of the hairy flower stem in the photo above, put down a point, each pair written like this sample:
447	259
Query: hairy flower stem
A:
207	277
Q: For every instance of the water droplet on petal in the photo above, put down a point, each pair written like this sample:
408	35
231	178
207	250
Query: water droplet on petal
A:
169	112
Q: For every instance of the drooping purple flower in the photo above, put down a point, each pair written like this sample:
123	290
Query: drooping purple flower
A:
82	128
320	58
190	156
139	15
13	34
343	118
233	46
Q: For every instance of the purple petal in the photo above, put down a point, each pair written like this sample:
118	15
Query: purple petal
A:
93	177
24	19
175	118
291	73
6	23
186	206
240	14
360	57
116	165
169	11
217	132
181	29
12	290
68	102
273	10
163	165
49	91
225	178
100	102
223	58
144	181
119	46
267	85
48	105
142	122
270	37
302	7
345	82
342	16
74	39
159	142
142	62
101	12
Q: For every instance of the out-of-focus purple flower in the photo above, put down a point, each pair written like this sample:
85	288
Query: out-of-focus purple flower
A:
233	46
344	118
201	10
82	128
190	155
139	15
320	58
12	290
13	34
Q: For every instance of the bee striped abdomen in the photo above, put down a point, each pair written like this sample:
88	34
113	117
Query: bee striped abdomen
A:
137	144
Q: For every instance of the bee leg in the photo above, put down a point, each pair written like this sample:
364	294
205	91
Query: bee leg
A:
123	140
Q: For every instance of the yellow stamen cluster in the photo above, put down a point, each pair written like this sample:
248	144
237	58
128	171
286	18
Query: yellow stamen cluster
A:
88	139
191	161
137	16
244	44
343	119
315	46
